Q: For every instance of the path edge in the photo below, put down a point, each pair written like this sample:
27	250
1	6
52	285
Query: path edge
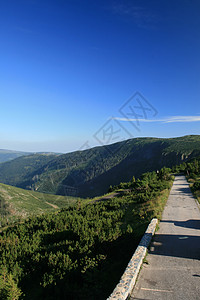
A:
128	279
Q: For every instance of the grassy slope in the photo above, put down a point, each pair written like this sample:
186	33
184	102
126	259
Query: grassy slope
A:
23	203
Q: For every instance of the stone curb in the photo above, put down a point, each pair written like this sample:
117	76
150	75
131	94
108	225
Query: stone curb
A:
128	279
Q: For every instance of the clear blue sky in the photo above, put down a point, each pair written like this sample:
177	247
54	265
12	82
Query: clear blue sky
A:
68	66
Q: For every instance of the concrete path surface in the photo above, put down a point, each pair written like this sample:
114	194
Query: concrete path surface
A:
173	269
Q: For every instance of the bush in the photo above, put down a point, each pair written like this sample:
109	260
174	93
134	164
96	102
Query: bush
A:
196	186
8	287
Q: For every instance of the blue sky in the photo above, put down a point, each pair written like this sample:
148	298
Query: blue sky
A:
75	74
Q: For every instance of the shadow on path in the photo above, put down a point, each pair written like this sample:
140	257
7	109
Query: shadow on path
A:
193	224
185	246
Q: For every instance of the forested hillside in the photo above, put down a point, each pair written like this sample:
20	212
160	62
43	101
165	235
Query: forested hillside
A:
89	173
19	171
80	252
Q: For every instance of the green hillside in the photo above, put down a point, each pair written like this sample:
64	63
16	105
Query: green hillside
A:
90	172
19	203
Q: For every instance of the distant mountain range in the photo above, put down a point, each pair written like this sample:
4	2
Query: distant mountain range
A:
6	155
90	172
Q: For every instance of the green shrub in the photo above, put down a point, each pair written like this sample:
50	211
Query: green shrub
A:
196	186
8	287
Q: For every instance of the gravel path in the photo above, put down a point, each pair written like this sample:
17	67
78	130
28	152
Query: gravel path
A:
173	269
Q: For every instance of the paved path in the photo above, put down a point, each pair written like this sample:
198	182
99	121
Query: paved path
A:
173	269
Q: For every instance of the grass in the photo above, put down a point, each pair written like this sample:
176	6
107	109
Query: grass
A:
19	203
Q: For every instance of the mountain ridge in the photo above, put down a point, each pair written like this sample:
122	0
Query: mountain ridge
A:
89	173
8	155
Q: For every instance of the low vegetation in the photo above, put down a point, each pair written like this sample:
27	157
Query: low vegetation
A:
80	252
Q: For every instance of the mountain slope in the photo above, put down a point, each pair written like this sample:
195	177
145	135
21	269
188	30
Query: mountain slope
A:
16	202
91	172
